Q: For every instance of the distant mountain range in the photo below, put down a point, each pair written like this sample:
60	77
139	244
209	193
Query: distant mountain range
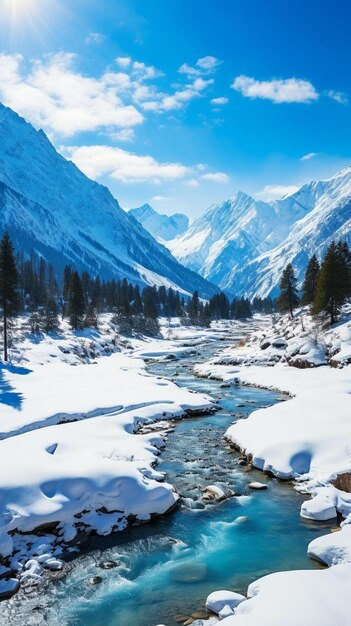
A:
49	206
243	244
162	227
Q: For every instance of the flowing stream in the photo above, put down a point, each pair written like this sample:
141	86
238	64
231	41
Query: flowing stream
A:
160	571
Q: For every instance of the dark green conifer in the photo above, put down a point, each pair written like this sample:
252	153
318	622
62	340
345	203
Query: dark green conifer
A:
10	302
332	285
288	299
310	281
76	302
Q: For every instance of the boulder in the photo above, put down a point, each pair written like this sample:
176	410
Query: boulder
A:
212	492
8	587
257	485
189	572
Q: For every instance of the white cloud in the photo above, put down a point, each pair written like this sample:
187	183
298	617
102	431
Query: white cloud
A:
160	198
276	90
219	101
208	63
205	65
53	95
127	167
192	182
56	96
308	156
216	177
193	90
275	192
179	98
338	96
96	38
124	135
123	62
145	71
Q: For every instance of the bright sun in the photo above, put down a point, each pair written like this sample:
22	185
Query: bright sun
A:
20	7
25	18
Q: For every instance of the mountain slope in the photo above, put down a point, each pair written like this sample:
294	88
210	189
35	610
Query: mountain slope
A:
162	227
243	244
228	236
50	206
329	219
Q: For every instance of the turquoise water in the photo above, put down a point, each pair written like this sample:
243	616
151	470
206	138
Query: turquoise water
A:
168	568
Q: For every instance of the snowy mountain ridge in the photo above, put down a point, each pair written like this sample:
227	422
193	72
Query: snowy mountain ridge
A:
162	227
50	206
243	244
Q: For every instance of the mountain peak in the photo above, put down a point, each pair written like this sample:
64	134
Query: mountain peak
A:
143	212
50	206
242	244
162	227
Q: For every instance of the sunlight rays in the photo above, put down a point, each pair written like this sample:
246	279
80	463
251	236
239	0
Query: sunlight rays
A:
23	20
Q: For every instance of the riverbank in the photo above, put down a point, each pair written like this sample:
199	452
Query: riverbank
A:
163	571
70	460
307	439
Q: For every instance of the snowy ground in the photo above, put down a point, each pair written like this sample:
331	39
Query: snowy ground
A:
71	462
307	438
70	459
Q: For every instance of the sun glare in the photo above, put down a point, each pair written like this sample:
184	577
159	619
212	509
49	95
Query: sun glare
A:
23	21
19	9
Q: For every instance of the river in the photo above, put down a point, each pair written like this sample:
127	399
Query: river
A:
154	573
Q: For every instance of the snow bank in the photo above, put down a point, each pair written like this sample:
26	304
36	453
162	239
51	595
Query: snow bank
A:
38	396
217	600
297	598
70	458
307	438
308	434
333	548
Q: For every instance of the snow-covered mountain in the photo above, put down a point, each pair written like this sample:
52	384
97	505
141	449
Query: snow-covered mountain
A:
243	244
50	206
162	227
328	217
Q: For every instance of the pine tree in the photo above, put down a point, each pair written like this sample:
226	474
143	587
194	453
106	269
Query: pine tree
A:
193	308
178	308
288	298
345	253
9	298
205	315
76	302
332	285
137	305
150	303
310	281
67	279
50	315
91	318
35	321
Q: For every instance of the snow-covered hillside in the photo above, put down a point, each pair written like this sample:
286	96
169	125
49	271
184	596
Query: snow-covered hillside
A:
243	244
327	205
70	459
50	206
162	227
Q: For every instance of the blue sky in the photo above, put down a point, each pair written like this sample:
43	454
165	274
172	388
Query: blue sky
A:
182	103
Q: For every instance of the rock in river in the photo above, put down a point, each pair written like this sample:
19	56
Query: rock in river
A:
189	572
257	485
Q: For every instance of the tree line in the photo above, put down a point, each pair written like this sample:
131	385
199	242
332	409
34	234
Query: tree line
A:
326	285
30	285
220	307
